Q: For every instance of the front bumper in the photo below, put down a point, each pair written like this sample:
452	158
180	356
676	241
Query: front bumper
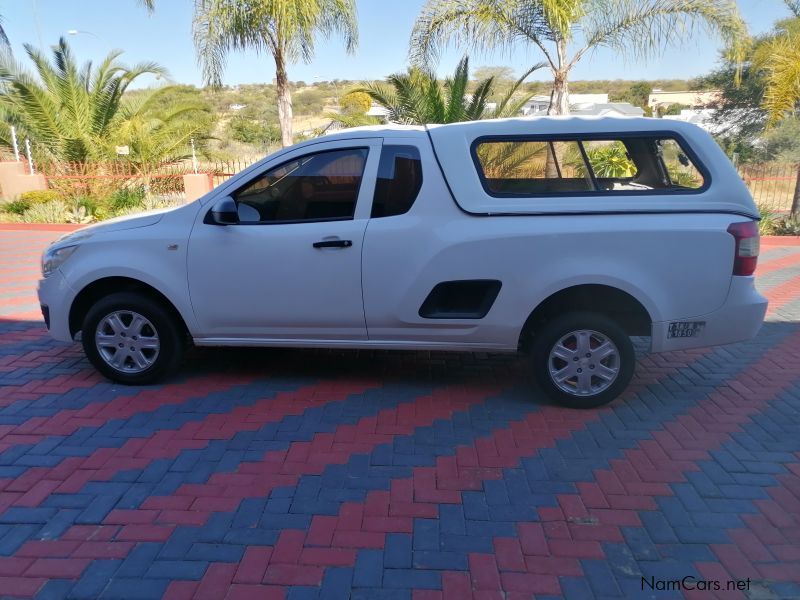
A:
739	319
56	296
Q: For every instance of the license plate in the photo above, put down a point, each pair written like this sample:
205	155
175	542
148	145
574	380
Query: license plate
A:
683	329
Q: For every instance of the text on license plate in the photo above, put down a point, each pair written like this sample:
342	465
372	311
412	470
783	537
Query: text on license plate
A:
681	329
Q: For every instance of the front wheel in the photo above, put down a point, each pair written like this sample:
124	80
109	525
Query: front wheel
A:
583	359
131	339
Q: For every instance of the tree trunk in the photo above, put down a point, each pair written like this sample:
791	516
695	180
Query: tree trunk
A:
559	98
559	105
795	210
284	102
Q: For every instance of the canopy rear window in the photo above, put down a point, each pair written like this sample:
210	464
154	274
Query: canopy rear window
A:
533	166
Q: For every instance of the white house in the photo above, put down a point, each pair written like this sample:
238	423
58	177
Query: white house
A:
538	104
701	117
606	109
378	111
694	99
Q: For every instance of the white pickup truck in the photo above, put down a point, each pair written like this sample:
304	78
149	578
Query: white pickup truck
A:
560	237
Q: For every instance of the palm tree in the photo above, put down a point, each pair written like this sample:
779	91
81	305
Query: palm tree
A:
635	27
417	97
3	37
69	111
777	55
284	28
156	135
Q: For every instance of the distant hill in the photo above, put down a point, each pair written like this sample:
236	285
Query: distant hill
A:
244	119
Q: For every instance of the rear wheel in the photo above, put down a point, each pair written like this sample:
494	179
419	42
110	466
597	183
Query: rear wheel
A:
583	359
131	338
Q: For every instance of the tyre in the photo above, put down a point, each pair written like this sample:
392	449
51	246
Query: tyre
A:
583	359
131	338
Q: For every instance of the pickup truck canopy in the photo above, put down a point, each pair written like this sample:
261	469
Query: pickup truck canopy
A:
455	147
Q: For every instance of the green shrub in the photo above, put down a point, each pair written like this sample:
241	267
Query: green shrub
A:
78	214
153	203
54	211
39	196
125	198
27	200
15	207
255	132
99	208
682	177
309	102
90	204
769	220
355	102
786	226
612	162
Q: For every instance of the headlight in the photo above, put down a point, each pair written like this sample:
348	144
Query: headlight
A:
55	257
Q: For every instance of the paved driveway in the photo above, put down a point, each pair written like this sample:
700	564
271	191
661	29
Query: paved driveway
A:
310	474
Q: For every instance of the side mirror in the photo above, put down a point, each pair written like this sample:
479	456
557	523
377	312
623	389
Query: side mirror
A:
223	212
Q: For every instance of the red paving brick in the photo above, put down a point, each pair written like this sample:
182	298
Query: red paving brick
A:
382	471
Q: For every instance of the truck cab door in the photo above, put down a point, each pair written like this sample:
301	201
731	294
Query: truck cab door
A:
290	269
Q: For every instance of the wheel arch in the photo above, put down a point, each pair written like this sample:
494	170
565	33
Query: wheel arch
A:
617	304
104	286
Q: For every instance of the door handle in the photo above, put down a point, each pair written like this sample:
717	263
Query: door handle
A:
333	244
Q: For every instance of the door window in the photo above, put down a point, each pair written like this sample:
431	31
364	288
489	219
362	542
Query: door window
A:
316	187
399	181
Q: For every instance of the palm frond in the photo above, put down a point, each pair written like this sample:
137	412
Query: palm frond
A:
782	91
385	96
418	97
476	108
67	110
643	28
340	17
352	120
217	28
484	25
511	103
456	88
512	159
3	37
284	28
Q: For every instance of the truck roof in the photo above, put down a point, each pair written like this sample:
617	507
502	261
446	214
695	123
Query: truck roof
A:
452	147
566	124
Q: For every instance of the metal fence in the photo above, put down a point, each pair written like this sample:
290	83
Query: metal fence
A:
773	186
102	178
221	171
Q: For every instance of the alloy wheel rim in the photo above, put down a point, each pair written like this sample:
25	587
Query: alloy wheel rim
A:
584	363
127	341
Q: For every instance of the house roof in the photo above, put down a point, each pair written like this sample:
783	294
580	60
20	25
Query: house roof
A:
607	108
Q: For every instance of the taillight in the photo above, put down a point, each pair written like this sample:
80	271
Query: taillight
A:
747	245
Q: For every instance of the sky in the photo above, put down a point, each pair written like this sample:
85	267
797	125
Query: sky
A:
384	26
